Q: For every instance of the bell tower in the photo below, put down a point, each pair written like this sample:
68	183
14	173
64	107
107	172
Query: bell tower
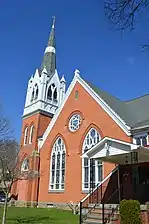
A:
45	93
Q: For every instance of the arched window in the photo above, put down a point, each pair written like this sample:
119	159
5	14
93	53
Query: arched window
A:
55	94
49	96
36	92
31	134
52	92
25	135
32	97
25	165
91	169
57	171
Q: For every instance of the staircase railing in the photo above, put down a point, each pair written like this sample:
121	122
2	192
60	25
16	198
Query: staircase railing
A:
94	197
106	218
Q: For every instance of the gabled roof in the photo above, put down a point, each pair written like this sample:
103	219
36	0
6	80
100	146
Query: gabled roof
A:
134	112
127	114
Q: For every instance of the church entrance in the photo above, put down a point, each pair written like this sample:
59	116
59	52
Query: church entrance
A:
134	182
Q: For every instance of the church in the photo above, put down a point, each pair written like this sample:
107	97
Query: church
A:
74	138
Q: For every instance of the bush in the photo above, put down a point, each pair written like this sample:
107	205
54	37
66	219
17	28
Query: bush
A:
130	212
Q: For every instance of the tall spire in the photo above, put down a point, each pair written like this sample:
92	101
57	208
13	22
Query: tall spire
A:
49	59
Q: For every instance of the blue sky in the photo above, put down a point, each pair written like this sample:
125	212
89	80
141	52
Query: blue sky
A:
84	40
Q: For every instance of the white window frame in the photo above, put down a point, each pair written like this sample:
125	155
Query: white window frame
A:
71	126
25	135
140	135
87	143
31	134
53	88
25	161
58	149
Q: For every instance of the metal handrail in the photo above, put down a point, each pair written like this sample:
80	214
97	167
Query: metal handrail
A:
83	217
99	186
105	220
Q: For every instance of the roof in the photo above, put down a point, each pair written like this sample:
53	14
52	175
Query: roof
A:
49	59
135	112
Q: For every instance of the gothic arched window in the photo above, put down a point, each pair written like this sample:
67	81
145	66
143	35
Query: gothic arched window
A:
25	165
32	97
25	135
55	94
49	96
52	92
31	134
57	164
91	169
36	92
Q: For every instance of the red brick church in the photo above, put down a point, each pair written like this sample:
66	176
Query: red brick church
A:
74	138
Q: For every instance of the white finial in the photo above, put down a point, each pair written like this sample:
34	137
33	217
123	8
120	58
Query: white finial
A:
62	79
53	25
44	70
77	72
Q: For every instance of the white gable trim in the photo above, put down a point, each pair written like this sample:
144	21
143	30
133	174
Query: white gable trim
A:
106	107
106	141
96	97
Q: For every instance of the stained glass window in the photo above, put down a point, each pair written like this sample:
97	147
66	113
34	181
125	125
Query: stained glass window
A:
25	165
57	179
91	169
74	122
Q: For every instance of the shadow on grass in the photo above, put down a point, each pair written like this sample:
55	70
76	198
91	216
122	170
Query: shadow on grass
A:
31	219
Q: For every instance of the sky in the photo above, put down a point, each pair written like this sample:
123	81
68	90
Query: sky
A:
84	40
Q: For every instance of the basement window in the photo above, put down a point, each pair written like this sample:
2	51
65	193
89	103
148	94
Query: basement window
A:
141	139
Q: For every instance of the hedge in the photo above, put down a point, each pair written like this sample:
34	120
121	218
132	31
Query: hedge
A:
130	212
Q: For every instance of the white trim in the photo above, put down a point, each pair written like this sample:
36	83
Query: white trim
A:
104	141
88	142
56	150
24	164
96	97
31	134
104	180
50	49
25	136
145	134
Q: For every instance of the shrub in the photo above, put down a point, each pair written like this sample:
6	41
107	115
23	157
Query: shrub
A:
130	212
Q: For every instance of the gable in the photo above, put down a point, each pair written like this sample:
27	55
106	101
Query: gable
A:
86	95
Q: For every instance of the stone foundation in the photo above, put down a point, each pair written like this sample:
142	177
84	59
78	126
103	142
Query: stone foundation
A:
63	206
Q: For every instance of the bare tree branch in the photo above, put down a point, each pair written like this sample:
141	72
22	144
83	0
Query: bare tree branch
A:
11	162
123	13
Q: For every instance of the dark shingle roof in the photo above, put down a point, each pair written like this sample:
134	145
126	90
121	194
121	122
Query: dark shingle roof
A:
135	112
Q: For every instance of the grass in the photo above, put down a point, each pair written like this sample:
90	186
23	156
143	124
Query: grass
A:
39	216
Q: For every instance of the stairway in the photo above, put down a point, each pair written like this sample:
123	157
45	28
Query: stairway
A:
96	216
107	193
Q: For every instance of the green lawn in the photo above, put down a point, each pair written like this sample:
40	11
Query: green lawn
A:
39	216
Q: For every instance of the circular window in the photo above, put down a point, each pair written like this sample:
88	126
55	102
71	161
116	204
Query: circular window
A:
74	122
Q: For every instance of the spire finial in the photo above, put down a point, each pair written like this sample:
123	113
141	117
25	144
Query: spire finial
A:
53	24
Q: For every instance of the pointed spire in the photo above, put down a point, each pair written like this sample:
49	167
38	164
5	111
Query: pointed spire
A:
49	60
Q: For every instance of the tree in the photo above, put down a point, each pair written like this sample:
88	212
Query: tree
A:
124	13
12	167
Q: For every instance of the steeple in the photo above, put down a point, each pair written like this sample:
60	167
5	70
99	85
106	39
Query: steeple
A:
45	91
49	59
